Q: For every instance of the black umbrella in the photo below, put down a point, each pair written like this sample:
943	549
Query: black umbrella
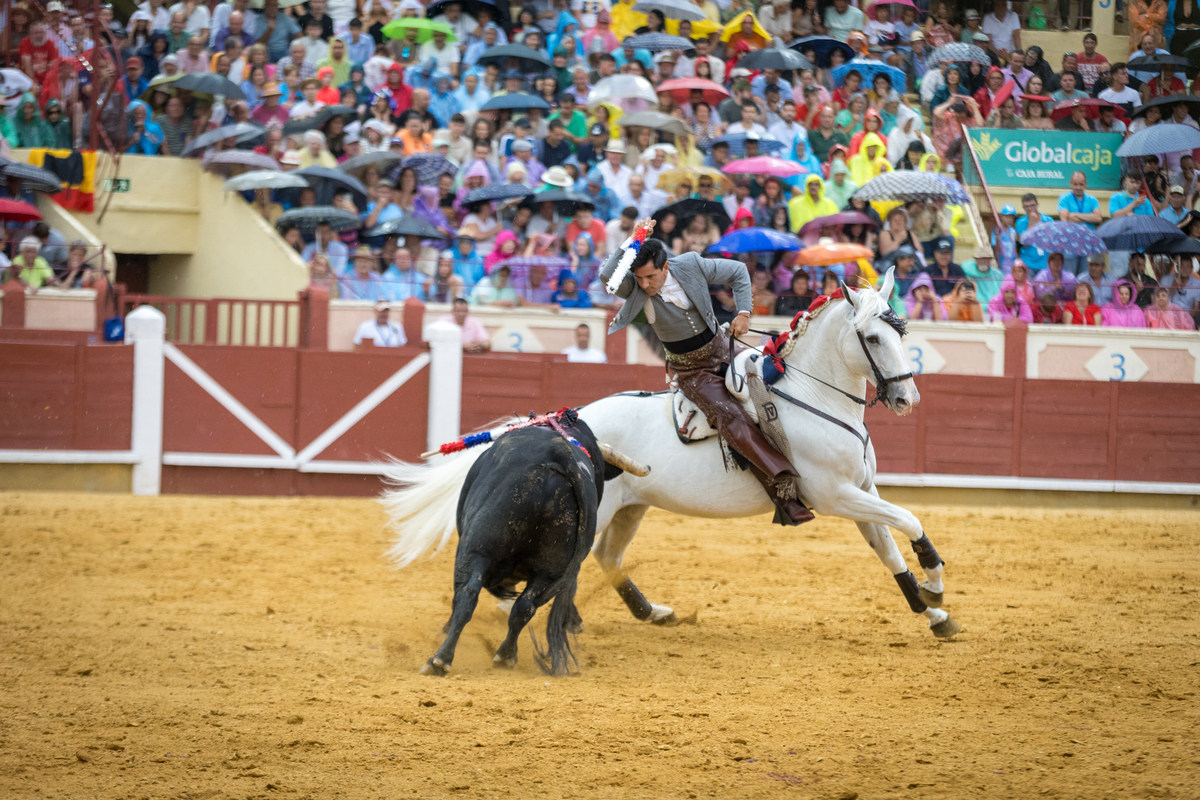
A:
1137	232
238	130
1156	62
210	83
328	182
309	217
317	120
567	200
774	58
531	60
499	11
382	160
1175	247
514	100
684	210
823	46
33	179
408	225
1165	104
498	191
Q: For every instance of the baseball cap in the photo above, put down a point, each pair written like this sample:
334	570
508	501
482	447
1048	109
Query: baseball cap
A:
971	14
521	145
615	146
1176	190
598	129
916	36
1008	211
381	304
945	245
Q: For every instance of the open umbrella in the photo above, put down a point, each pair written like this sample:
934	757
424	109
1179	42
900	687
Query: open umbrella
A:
656	120
737	143
1092	104
1176	247
764	165
210	83
657	41
1068	238
257	5
238	130
514	100
959	52
408	225
225	162
822	46
14	82
1166	104
165	82
425	28
328	182
1166	137
681	90
825	255
1192	53
1137	232
671	9
684	210
498	191
958	192
868	70
566	201
468	6
670	179
530	60
264	179
382	160
16	211
753	240
617	87
1156	62
428	166
841	218
774	58
906	185
871	8
309	217
33	179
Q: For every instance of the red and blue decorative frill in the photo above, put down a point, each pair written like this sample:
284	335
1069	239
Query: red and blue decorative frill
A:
555	422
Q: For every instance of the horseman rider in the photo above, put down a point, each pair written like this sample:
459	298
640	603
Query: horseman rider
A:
674	294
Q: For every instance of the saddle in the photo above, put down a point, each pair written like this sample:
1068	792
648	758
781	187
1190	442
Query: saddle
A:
690	424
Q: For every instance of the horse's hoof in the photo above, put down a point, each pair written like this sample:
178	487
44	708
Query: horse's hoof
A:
931	599
436	667
946	628
574	628
669	621
500	662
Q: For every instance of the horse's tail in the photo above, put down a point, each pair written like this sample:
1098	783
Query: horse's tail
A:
423	506
558	658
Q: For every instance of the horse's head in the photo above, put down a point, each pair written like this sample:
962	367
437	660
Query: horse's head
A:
873	346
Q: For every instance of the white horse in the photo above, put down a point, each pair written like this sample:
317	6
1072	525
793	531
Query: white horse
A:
829	361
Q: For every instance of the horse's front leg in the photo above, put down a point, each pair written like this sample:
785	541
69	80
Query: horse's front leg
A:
609	551
873	516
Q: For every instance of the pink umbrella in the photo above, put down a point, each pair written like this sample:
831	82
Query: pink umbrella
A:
681	90
908	3
764	165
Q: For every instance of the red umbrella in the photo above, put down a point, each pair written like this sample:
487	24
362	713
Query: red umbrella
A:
1003	93
841	218
681	90
1092	104
16	211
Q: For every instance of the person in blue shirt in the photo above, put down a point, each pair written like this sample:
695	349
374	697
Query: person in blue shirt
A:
1078	206
1004	240
402	280
1034	257
468	264
277	28
1174	210
1131	202
381	209
568	294
603	198
356	84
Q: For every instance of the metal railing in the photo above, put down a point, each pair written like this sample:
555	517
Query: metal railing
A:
225	321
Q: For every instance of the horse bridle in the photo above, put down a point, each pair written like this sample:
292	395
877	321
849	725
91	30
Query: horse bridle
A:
881	383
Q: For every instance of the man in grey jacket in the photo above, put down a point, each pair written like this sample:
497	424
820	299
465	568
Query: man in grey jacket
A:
673	293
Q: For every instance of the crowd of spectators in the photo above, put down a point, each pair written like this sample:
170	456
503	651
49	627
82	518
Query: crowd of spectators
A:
414	92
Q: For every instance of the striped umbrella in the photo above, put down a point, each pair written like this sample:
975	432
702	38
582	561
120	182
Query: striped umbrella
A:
1166	137
905	185
1068	238
658	41
957	51
33	179
498	191
1136	232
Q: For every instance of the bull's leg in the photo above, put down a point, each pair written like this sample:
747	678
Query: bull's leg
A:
522	611
466	596
609	551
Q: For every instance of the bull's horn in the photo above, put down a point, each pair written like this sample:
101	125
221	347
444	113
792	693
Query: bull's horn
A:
623	461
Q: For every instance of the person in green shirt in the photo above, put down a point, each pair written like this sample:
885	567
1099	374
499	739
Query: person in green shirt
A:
574	120
986	277
338	60
826	136
30	268
32	130
494	289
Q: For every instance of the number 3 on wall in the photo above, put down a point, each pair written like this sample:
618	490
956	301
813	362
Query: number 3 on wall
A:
515	340
914	355
1118	366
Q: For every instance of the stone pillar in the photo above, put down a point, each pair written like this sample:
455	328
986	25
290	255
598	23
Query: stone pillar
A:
445	383
145	329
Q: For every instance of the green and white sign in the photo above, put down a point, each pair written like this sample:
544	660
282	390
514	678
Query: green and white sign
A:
1045	158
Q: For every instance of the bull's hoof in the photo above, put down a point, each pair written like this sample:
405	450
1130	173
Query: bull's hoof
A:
931	599
500	662
436	667
946	628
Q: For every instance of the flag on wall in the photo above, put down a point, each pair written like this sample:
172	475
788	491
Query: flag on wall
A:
77	170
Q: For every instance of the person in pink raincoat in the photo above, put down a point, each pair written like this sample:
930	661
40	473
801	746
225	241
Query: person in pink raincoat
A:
1122	312
1008	303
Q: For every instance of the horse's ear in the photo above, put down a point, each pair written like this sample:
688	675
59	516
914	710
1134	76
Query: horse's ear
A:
848	293
888	281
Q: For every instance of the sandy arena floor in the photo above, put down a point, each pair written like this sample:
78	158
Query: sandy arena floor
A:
183	647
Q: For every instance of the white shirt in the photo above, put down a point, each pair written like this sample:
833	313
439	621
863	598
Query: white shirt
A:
1001	31
672	292
1126	95
840	25
445	57
198	21
613	233
650	201
541	225
873	30
738	127
162	17
305	109
314	49
788	134
589	9
652	173
462	29
589	356
389	335
617	180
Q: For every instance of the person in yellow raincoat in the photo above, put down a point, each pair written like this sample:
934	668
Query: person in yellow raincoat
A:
700	28
745	27
810	204
625	20
871	159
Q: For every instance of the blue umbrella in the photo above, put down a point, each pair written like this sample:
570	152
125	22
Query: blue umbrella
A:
958	194
428	166
1136	232
737	144
1068	238
1166	137
658	41
756	240
958	52
498	191
823	46
868	70
515	100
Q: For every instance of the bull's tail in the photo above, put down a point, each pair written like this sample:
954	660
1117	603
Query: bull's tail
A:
422	507
557	658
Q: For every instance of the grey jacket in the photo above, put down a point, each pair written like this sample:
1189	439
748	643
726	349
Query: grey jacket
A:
694	274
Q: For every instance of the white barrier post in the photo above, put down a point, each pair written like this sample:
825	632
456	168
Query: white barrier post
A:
145	329
445	383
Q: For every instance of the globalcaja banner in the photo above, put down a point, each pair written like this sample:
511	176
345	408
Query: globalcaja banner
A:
1045	158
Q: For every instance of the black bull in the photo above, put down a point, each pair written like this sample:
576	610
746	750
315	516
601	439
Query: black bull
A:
527	512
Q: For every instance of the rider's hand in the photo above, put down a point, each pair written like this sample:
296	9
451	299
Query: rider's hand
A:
740	325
